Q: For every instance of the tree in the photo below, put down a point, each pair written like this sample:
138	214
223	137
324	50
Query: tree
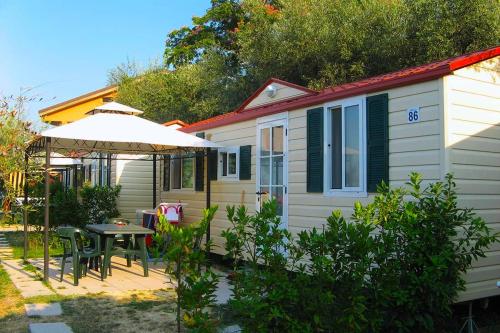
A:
189	93
213	65
216	30
320	43
15	134
437	29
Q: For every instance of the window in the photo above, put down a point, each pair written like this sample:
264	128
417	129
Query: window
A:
94	173
105	169
229	163
187	172
345	142
179	173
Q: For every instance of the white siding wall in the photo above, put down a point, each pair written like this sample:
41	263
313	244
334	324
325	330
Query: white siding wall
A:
136	179
223	193
412	147
473	155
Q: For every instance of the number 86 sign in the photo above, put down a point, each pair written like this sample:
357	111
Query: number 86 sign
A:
413	115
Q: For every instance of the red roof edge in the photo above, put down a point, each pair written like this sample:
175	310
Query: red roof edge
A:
268	82
399	78
175	122
473	58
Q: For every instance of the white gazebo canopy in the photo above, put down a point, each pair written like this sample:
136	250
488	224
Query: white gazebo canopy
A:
114	107
112	128
120	133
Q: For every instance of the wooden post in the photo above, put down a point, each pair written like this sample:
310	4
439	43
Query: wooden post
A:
25	204
154	181
47	210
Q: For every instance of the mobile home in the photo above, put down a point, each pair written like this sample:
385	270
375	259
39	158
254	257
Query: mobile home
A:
316	151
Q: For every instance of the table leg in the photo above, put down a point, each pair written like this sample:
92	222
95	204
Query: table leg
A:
107	256
128	247
141	240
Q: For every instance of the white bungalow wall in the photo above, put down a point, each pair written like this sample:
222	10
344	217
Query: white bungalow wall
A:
135	176
223	193
473	155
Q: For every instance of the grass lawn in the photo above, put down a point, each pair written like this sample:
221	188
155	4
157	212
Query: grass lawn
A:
35	248
148	311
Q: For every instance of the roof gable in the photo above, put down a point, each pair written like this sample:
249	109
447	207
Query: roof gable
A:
96	94
273	91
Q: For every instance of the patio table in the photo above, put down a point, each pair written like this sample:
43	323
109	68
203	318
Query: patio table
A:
108	232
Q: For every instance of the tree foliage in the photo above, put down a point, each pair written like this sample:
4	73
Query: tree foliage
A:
214	64
15	134
216	30
185	257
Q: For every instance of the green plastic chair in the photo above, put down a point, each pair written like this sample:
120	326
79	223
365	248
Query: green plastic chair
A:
73	240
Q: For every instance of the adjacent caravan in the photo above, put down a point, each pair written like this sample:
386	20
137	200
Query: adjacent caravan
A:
316	151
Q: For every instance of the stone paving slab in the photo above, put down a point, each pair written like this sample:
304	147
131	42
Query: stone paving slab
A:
43	309
50	328
25	281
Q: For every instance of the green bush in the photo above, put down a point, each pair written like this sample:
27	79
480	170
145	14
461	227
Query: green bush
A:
265	294
396	266
64	206
424	245
332	281
66	209
99	202
185	257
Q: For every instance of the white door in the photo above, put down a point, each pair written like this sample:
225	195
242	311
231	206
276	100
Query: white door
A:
272	165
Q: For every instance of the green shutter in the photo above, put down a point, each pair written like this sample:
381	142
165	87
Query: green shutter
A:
199	181
377	140
315	150
166	172
245	162
213	162
201	135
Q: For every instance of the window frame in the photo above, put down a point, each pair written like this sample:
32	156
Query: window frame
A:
172	175
220	163
361	190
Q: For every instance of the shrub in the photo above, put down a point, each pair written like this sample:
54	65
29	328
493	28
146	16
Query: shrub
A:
99	202
332	281
264	292
396	266
185	258
424	245
64	206
66	209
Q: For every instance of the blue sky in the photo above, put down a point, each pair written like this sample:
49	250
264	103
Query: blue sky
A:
66	48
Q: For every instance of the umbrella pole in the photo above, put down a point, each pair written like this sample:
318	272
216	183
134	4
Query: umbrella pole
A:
25	203
47	209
